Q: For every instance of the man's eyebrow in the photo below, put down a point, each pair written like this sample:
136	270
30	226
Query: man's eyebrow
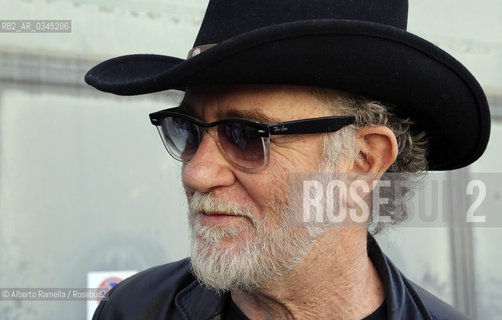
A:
255	115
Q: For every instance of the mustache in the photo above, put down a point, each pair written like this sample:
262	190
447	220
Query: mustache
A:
207	203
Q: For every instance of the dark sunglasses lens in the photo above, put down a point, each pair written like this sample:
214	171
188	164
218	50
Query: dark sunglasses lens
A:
180	137
243	144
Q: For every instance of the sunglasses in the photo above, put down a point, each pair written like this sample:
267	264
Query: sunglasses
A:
244	143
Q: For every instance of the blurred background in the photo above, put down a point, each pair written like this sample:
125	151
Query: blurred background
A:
86	185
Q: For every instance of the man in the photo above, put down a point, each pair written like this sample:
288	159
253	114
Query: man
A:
275	89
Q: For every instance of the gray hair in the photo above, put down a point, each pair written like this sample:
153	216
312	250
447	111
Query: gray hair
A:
411	162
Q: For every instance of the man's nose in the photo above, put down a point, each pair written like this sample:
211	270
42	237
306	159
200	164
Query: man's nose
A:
208	169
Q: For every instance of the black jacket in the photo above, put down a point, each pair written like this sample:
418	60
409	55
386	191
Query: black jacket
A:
171	292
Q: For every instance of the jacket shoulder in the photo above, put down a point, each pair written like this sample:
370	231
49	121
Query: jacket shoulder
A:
149	294
437	308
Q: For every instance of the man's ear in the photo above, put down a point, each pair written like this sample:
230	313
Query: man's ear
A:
376	151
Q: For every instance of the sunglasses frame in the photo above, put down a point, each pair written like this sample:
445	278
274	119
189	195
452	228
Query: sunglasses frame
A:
302	126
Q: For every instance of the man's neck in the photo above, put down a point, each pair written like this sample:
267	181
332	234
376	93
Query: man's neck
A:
335	283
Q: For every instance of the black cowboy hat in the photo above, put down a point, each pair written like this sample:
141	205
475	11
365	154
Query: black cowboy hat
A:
356	46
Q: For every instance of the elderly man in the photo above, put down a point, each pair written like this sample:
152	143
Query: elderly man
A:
274	89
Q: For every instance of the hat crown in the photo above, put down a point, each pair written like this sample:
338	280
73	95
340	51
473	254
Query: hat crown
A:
225	19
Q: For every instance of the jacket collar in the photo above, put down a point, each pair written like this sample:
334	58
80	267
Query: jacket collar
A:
402	300
200	302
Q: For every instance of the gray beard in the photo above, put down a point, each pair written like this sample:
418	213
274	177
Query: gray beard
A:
249	256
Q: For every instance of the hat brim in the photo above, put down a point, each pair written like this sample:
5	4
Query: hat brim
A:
419	80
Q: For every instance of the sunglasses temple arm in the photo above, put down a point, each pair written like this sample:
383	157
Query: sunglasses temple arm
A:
311	125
